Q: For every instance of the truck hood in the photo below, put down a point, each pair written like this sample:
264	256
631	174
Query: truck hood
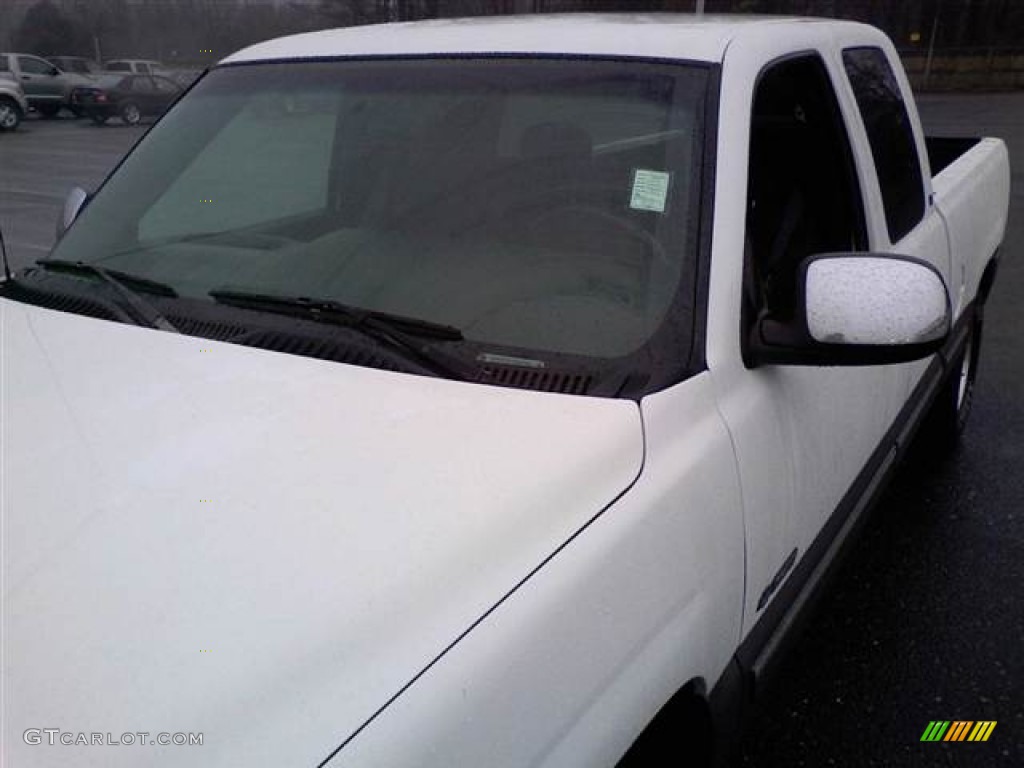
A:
260	548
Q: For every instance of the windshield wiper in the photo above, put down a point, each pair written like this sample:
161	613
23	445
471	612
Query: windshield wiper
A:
126	285
395	331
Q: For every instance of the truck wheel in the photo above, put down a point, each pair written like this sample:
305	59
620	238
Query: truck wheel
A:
10	114
130	114
48	110
949	414
962	381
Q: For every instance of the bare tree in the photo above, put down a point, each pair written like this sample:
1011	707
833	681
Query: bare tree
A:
46	29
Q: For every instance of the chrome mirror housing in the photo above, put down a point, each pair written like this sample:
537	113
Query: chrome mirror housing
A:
73	204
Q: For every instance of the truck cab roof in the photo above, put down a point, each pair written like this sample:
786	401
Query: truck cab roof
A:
656	35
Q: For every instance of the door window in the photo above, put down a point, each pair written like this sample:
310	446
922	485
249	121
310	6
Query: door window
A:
164	86
803	195
890	136
34	66
143	85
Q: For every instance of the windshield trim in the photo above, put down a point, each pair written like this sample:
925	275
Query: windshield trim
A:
467	55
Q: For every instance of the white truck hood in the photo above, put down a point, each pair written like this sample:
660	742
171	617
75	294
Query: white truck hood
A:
262	548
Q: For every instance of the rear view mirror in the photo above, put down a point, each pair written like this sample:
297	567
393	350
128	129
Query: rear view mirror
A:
858	309
856	300
74	203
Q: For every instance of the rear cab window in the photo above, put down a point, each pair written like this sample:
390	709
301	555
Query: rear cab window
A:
890	136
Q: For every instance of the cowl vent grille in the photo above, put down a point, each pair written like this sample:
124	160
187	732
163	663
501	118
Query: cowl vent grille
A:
322	349
207	329
62	302
544	381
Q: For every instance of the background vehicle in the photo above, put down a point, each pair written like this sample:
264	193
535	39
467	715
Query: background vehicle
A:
46	87
537	393
137	66
78	65
13	104
130	97
183	77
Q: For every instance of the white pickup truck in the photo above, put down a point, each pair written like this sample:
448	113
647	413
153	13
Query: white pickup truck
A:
474	393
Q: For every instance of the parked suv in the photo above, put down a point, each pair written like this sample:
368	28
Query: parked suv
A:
46	86
13	104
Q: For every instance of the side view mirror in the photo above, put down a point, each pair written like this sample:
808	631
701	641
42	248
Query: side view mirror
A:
53	72
858	309
76	200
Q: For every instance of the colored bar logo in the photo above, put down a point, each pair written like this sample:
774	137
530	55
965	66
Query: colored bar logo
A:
958	730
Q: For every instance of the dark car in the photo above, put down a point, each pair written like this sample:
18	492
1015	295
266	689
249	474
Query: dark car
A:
130	97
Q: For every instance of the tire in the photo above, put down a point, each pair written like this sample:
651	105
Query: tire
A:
952	408
130	113
99	119
48	110
10	114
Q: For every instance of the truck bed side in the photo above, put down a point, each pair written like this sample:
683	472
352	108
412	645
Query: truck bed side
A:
971	189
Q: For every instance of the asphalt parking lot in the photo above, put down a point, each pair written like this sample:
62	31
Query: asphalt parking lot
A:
39	163
926	618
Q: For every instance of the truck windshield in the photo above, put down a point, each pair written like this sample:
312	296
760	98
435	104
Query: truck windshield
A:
547	205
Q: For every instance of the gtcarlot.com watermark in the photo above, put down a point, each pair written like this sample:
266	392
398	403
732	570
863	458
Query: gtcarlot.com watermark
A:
55	736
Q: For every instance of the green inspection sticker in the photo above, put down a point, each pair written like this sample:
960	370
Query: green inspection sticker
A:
650	190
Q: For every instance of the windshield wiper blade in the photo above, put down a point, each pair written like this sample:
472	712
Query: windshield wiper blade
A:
125	285
135	282
341	314
395	331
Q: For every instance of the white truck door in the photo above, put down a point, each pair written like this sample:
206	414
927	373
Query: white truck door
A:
812	429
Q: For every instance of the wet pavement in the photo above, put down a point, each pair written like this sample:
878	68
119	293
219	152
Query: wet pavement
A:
39	163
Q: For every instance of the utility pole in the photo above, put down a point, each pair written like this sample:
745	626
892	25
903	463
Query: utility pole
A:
931	45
